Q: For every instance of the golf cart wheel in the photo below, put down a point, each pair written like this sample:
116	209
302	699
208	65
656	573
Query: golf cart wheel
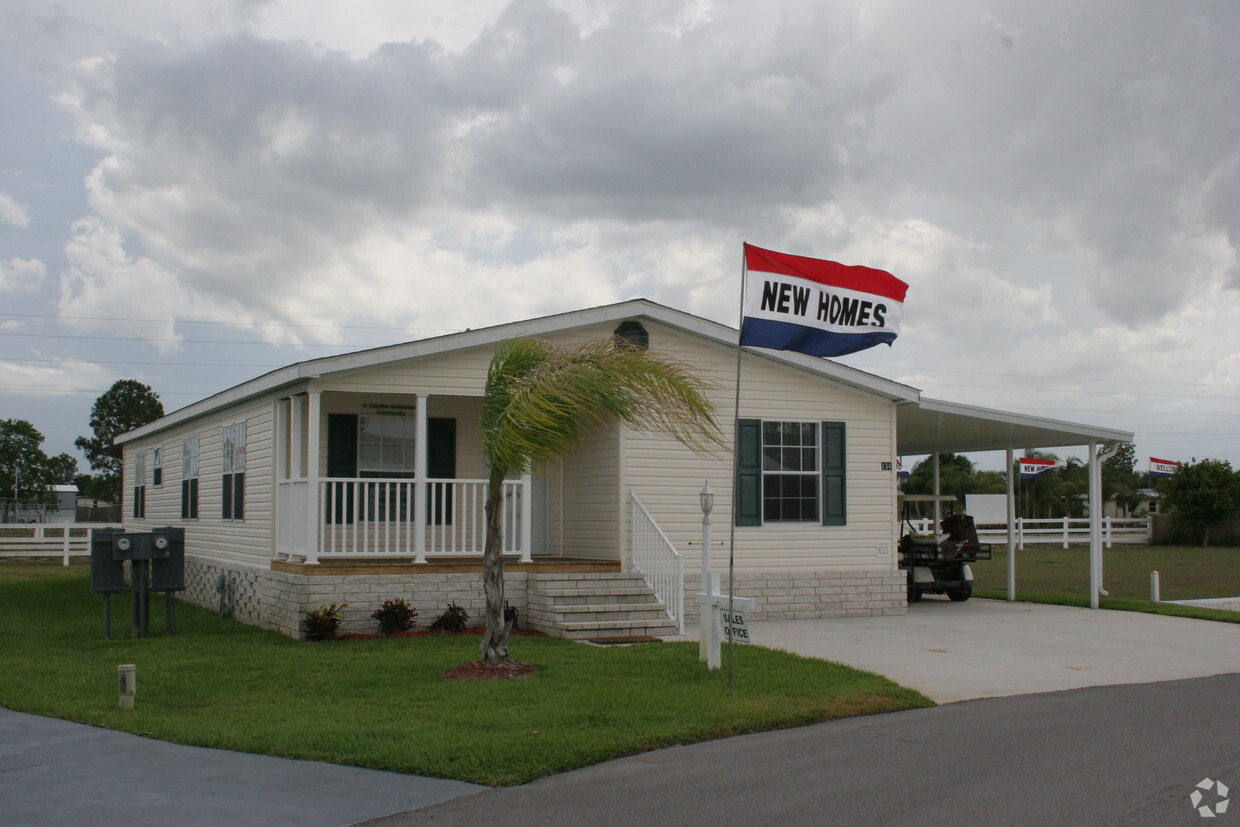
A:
960	595
914	594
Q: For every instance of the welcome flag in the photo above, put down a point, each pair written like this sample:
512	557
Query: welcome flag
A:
1034	468
1162	467
817	307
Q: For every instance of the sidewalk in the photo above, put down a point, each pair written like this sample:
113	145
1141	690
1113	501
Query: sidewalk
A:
55	772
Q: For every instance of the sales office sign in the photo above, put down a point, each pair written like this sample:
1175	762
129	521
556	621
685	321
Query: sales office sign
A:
734	628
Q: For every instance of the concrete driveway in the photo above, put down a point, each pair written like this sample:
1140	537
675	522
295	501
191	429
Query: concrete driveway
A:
992	648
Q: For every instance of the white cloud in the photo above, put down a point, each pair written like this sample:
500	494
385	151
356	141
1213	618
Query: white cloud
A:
12	212
24	378
18	275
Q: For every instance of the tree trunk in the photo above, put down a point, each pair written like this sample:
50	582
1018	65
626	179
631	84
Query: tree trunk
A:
495	638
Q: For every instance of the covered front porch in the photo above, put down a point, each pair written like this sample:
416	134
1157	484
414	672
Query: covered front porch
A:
396	477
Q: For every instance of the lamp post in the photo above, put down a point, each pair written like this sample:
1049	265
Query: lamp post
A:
707	499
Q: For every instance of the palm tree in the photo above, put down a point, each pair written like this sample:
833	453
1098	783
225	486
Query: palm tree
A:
541	400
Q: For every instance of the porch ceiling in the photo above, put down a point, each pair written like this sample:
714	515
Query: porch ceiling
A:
932	425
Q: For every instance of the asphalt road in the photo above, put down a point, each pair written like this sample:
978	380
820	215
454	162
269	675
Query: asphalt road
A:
1111	755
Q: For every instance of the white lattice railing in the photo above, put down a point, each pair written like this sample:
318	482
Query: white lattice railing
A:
363	516
1058	530
657	561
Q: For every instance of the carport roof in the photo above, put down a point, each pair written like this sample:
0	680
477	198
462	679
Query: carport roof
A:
928	426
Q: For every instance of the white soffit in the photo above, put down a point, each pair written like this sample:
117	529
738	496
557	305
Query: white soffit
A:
934	426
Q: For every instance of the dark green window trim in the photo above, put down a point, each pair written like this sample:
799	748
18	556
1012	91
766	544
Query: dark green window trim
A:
748	498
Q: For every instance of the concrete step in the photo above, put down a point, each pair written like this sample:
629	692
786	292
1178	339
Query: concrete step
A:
584	630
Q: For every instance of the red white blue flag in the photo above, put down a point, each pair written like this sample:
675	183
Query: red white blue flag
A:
1162	467
817	307
1033	468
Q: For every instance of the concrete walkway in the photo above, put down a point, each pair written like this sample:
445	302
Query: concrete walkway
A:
55	772
992	648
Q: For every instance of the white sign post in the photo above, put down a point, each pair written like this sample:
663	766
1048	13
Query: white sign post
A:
714	630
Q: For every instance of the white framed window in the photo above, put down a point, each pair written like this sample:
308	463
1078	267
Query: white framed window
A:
233	479
139	486
189	478
157	467
791	473
385	445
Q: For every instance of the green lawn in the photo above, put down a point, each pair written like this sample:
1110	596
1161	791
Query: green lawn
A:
382	703
1186	572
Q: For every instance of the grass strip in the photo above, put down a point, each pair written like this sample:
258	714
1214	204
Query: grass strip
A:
1117	604
382	703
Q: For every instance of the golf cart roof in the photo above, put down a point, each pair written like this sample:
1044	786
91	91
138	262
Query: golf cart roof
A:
927	498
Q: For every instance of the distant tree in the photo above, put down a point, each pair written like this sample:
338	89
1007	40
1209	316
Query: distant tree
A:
63	468
1120	480
26	473
956	476
1199	494
128	404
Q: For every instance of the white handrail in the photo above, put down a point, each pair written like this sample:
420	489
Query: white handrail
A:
657	561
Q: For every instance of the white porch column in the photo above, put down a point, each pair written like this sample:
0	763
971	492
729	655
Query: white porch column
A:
1095	527
314	424
296	428
527	516
420	491
938	507
280	412
1011	527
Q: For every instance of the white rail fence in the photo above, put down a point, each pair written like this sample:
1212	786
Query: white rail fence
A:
1060	530
657	561
62	540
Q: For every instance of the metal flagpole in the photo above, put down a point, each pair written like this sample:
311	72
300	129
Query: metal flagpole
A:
736	418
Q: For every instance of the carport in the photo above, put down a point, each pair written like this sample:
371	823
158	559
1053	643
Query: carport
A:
932	426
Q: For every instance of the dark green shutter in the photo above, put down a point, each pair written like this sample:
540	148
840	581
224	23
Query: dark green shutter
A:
441	465
748	498
834	491
342	462
342	445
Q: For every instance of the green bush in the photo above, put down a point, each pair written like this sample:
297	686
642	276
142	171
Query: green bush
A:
322	623
452	620
395	616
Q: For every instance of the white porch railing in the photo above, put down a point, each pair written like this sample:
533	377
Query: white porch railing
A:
657	561
365	516
63	540
1059	530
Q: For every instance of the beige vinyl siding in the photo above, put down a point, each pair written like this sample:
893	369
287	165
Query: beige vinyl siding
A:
591	493
668	476
245	541
462	373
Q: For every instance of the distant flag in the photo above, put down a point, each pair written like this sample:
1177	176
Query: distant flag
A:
1162	467
1034	468
901	471
817	307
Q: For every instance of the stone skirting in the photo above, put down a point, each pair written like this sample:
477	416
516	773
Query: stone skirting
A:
274	598
802	595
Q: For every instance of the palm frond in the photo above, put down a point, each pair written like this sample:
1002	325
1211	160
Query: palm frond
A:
542	400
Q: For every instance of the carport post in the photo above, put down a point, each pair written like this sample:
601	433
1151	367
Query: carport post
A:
937	507
1095	544
1011	528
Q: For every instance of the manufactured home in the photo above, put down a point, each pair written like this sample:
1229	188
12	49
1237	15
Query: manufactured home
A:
357	478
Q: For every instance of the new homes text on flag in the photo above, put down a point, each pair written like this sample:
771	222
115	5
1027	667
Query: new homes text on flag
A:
817	307
1033	468
1162	467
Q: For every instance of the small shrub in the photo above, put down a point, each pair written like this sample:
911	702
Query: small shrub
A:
323	623
510	616
452	620
395	616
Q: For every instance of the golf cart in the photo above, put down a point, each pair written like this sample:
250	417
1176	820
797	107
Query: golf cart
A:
939	566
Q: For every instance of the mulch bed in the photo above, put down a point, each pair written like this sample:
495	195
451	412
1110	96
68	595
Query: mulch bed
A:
479	671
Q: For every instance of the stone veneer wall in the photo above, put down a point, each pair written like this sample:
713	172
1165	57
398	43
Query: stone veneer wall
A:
274	599
802	595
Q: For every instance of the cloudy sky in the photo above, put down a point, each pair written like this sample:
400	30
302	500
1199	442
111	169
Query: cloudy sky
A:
194	192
